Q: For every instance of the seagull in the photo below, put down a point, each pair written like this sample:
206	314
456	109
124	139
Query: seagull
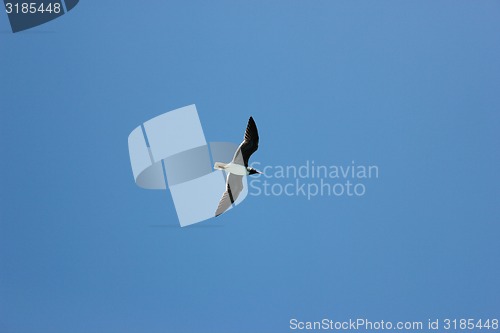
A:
238	167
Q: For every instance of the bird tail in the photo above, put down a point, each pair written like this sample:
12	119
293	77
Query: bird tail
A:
220	166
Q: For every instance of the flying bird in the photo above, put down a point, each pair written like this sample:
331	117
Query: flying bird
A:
238	167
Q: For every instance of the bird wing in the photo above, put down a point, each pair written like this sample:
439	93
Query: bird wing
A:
249	145
234	186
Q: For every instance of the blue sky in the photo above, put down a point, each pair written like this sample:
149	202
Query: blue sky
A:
411	87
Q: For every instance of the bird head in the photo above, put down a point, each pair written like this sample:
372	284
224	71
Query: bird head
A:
252	171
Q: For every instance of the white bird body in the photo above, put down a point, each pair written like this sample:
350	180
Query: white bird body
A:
234	168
